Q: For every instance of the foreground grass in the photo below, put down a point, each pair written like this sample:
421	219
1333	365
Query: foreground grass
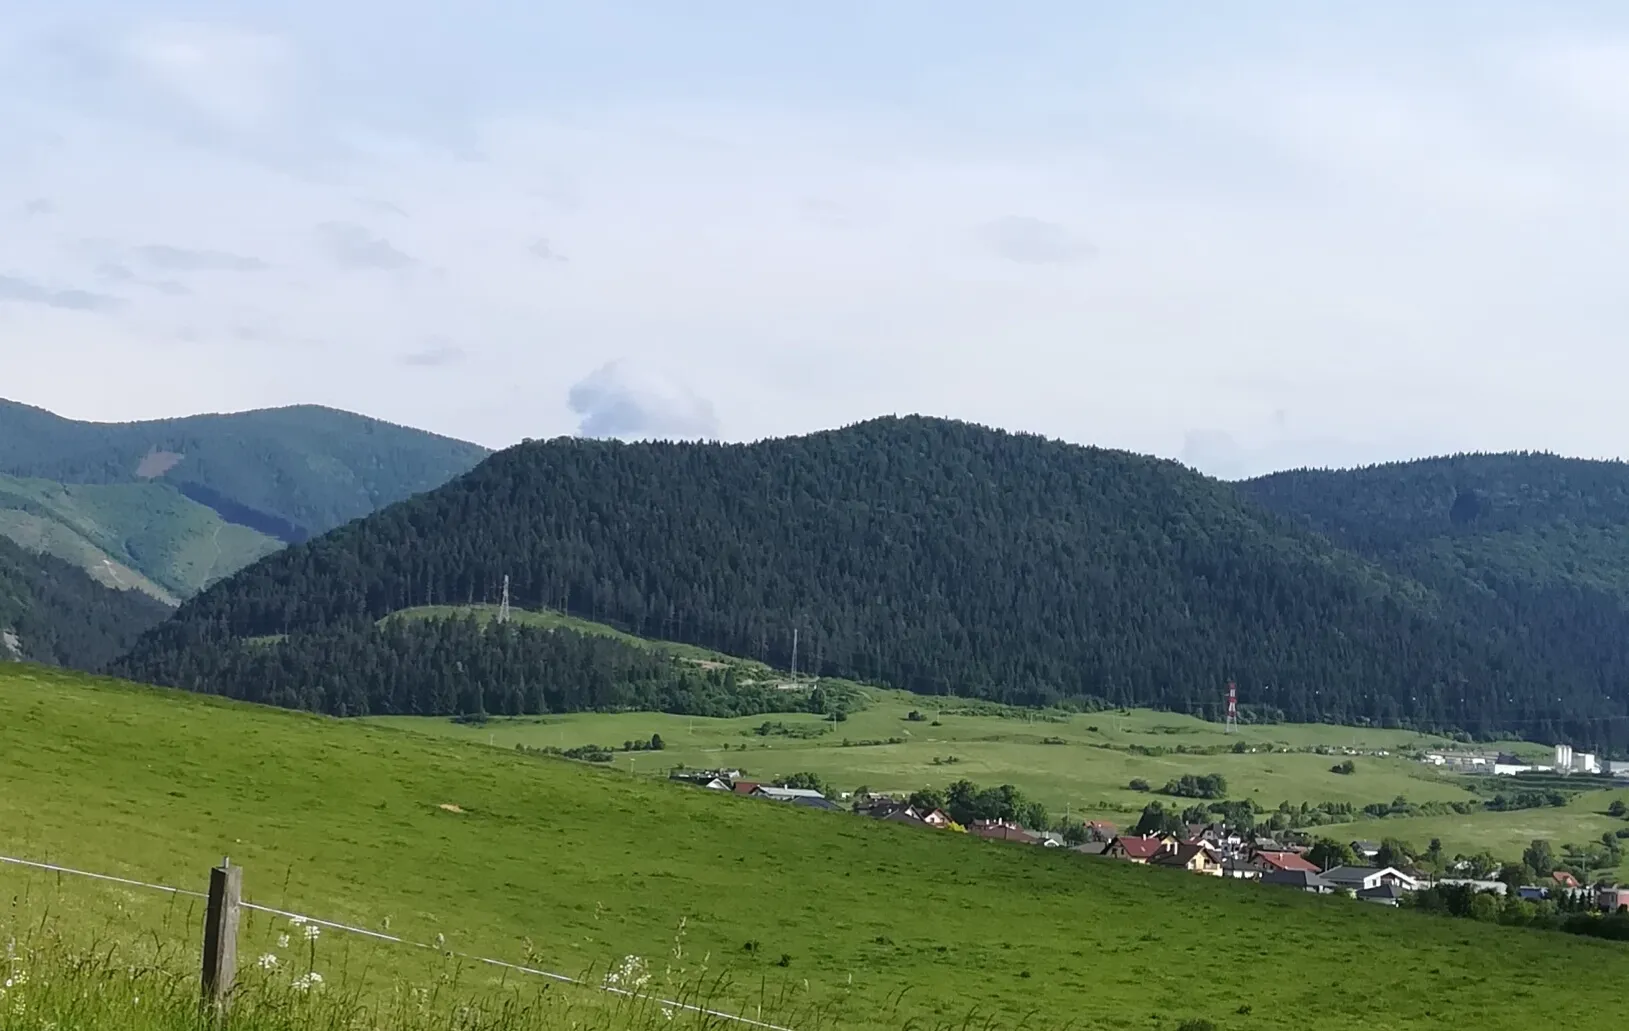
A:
874	925
135	975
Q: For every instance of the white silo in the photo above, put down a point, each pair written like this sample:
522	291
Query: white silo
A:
1563	758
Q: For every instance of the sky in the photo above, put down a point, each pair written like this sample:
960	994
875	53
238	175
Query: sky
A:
1285	234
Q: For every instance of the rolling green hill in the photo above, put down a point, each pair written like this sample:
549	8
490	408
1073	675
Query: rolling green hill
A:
934	556
571	868
142	536
53	612
288	473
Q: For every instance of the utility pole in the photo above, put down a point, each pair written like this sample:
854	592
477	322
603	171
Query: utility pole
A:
503	606
794	654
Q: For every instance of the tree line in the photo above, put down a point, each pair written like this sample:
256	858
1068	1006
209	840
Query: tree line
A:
460	666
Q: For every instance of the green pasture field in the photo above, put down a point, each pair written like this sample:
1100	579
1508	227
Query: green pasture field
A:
1071	772
876	925
1504	834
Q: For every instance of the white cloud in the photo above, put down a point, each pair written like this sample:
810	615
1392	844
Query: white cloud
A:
621	400
1418	257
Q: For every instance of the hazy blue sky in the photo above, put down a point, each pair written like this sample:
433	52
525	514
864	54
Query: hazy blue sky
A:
1288	234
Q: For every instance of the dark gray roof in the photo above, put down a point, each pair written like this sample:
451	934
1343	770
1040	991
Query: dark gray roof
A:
1093	848
1350	874
1296	879
813	802
1383	891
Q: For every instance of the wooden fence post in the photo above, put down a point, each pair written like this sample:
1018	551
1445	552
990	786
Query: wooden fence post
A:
221	935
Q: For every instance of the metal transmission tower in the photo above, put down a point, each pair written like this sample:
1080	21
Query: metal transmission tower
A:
503	606
1232	708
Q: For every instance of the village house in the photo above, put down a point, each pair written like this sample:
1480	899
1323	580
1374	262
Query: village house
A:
1304	880
1282	862
1367	878
1002	830
1139	849
1240	868
1382	894
1612	900
1190	856
1365	849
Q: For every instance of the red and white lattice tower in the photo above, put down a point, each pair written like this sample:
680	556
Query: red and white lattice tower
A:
1232	707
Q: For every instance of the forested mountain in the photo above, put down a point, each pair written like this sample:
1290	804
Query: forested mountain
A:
1532	548
931	555
52	612
290	473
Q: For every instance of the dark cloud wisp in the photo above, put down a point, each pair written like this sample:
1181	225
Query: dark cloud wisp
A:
356	247
22	291
1033	241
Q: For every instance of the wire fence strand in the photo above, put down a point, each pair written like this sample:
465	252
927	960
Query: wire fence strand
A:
303	918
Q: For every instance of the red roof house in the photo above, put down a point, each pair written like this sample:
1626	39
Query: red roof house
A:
1284	862
1138	850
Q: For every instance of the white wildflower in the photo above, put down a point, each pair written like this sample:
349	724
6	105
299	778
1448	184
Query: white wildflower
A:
631	975
312	931
282	941
307	982
667	1013
268	961
297	921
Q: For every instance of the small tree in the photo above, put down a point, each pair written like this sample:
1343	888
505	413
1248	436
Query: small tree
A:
805	781
1346	768
1394	853
1540	855
1327	853
656	743
1138	784
1618	809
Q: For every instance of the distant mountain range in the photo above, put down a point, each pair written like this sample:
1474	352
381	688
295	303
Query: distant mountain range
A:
1484	593
169	506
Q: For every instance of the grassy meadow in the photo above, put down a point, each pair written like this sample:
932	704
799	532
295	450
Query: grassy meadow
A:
1069	761
854	923
1076	763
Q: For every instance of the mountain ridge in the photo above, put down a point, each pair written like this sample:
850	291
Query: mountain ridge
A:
300	470
930	555
168	506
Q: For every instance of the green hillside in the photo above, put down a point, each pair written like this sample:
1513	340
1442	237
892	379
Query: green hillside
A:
146	536
52	612
885	926
927	555
289	473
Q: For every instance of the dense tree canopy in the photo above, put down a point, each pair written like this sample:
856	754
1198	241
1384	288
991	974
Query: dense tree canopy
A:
439	667
59	615
948	558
